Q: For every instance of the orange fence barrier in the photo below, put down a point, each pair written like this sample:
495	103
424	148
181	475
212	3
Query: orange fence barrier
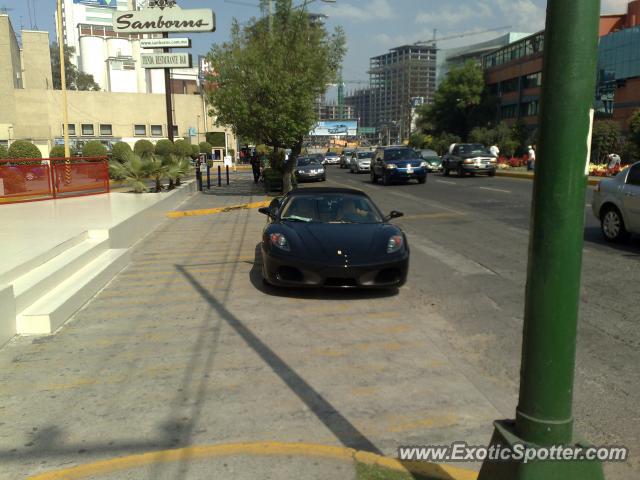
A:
28	180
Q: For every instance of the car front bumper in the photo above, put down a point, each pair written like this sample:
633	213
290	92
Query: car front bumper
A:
403	174
293	272
310	177
363	168
473	168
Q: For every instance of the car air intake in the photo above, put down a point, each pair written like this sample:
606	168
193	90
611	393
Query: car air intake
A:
290	274
388	275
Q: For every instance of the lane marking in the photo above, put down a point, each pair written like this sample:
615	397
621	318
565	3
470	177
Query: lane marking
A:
214	211
459	263
445	181
495	189
432	470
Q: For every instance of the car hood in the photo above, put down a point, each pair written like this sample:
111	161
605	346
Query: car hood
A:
324	240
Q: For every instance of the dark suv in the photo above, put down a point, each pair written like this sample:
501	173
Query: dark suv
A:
397	164
469	158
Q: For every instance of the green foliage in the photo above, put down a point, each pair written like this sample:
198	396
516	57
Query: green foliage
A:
634	128
94	149
267	80
165	147
58	151
441	142
217	139
134	169
143	148
205	147
182	148
195	151
74	79
459	102
120	150
501	135
420	140
605	138
4	153
23	149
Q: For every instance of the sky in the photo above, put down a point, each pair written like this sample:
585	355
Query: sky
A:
372	26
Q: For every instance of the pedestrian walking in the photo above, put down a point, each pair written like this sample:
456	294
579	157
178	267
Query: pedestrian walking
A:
494	150
255	166
531	161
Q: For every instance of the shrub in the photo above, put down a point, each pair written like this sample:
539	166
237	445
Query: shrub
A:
58	151
205	147
3	151
94	149
183	148
23	149
195	151
143	148
216	139
165	148
119	151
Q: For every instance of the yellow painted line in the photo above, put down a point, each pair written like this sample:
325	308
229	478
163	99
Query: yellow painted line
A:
215	211
283	449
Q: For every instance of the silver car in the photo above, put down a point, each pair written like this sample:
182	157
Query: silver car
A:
361	162
616	203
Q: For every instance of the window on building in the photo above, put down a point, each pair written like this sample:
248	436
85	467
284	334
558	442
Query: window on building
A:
175	130
72	129
510	85
106	130
156	130
529	109
508	111
534	80
139	129
87	129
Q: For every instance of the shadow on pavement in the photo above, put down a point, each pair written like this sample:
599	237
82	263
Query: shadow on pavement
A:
312	293
344	430
629	247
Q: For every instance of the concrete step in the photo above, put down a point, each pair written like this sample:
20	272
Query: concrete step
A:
31	286
59	304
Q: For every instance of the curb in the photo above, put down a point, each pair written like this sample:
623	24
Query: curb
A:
437	471
529	176
215	211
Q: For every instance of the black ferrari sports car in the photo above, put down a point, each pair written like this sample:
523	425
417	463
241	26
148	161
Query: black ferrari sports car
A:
332	237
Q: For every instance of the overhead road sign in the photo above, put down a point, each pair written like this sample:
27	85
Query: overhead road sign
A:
165	43
166	60
174	19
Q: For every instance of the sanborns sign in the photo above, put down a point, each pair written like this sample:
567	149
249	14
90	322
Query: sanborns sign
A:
175	19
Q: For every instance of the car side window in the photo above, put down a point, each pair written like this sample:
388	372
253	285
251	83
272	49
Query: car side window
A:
633	177
456	150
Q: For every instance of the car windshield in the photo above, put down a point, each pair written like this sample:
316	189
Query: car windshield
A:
330	208
332	154
365	154
473	148
399	154
302	162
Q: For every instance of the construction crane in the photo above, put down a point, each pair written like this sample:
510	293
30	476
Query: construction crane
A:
460	35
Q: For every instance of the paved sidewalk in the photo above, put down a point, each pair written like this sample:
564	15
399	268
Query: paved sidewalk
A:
185	348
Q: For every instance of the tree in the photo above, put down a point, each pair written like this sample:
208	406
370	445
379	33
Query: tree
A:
4	153
195	151
634	129
119	151
74	79
605	138
461	102
269	75
58	151
143	148
94	148
205	147
165	148
23	149
133	170
183	148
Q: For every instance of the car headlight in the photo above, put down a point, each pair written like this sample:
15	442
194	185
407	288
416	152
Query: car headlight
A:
469	160
390	166
423	164
278	240
394	244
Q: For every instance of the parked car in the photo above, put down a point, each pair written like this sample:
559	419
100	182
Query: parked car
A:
331	158
310	169
616	203
345	158
361	161
332	237
434	162
469	158
397	163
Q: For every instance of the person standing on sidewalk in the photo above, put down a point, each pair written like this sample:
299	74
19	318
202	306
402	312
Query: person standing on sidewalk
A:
531	161
255	166
494	150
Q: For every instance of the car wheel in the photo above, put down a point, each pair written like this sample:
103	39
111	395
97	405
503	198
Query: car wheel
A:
460	171
374	177
422	179
445	172
492	174
612	225
385	179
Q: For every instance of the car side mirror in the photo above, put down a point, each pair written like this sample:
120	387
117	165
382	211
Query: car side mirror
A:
395	214
265	211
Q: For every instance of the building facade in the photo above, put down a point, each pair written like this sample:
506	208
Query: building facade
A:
32	109
514	73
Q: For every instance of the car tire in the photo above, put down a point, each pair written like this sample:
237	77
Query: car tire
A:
612	224
374	177
422	179
386	181
492	174
460	171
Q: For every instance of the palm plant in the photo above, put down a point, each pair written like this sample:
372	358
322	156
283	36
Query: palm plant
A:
134	170
157	170
177	166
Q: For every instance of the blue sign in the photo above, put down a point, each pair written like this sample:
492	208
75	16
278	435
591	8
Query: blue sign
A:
98	3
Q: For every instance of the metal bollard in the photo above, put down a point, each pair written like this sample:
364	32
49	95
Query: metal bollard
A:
208	177
227	167
219	176
199	178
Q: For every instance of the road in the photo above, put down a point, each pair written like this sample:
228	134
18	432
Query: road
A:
471	234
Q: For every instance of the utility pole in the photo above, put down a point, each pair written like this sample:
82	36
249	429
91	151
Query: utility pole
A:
167	91
63	84
544	415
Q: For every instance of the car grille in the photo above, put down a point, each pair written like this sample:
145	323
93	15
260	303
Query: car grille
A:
340	282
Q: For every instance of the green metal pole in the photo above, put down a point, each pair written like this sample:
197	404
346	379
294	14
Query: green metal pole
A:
544	414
